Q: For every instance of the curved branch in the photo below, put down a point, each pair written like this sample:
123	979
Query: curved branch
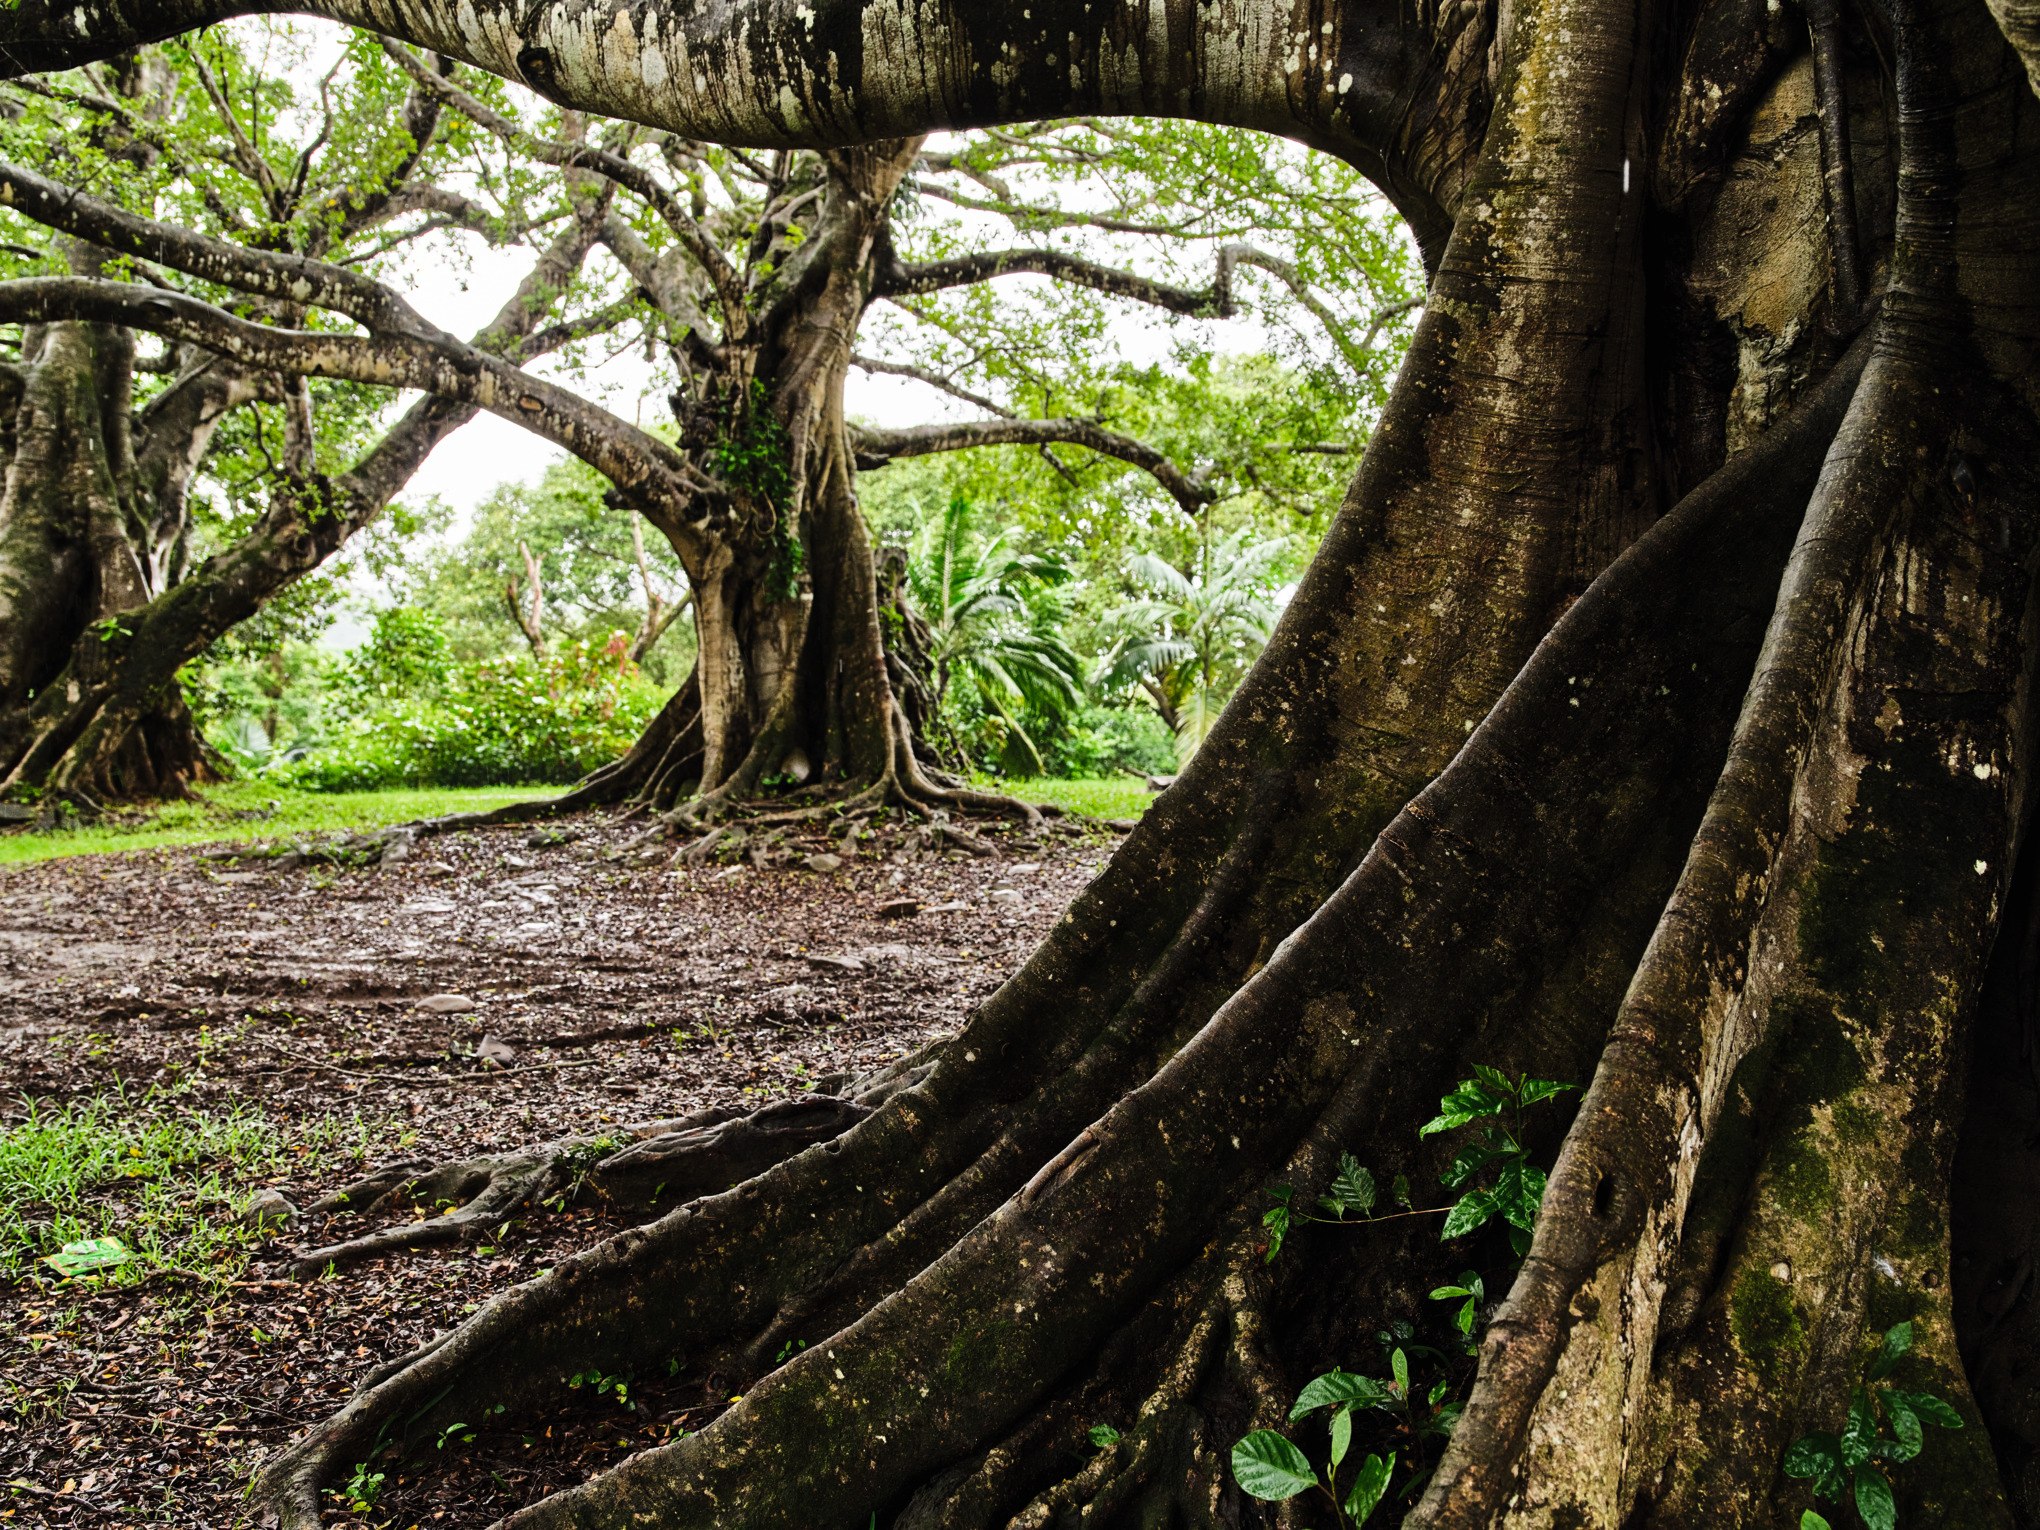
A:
1215	301
877	447
729	286
933	380
638	463
284	277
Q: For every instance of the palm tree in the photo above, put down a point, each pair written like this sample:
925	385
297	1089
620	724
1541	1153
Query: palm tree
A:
981	627
1188	637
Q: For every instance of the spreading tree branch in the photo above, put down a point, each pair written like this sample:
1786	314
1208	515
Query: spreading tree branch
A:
728	284
636	461
877	447
903	278
271	274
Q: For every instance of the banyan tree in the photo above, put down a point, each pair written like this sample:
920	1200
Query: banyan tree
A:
1656	716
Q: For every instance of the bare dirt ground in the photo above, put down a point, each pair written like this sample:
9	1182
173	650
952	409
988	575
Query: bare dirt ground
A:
624	993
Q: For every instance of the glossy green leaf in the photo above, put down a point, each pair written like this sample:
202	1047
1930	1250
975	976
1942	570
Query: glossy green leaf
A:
1813	1456
1400	1364
1342	1434
1268	1467
1897	1341
1905	1425
1874	1501
1469	1212
1812	1521
1931	1409
1354	1189
1536	1089
1368	1487
1341	1387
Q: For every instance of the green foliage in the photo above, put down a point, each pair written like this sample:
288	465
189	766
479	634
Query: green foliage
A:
361	1490
1518	1187
1472	1293
549	720
588	571
617	1387
1188	637
991	622
1885	1425
149	1168
753	458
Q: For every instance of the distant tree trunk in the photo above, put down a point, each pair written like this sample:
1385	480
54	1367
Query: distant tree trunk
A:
791	668
90	529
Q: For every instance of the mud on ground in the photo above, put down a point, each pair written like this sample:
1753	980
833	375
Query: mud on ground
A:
614	992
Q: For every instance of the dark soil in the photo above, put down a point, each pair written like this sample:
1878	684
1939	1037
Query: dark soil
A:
627	993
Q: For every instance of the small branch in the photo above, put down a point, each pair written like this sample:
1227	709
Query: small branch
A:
933	380
876	447
728	284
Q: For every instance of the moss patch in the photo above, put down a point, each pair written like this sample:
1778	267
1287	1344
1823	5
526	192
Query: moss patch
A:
1766	1323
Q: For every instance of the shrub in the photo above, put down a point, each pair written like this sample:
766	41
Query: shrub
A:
487	724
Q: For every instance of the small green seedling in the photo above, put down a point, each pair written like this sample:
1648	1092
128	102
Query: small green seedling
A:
1103	1436
1518	1189
362	1489
1885	1425
606	1386
1270	1468
456	1434
1472	1293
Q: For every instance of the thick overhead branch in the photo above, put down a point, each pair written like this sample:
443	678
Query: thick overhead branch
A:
877	447
905	278
840	72
638	463
263	273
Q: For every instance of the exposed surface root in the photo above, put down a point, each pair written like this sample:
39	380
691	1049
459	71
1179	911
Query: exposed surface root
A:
680	1159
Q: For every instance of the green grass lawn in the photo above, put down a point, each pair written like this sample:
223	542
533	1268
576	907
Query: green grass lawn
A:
305	813
297	813
1109	797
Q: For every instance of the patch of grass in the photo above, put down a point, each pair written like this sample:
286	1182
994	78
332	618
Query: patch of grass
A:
1104	797
167	1181
297	813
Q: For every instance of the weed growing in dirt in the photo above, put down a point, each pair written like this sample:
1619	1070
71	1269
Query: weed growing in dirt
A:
164	1180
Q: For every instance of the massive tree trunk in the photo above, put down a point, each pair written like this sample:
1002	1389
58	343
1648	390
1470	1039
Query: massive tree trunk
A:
790	672
1656	715
93	524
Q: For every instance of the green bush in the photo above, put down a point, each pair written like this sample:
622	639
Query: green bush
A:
500	721
1102	739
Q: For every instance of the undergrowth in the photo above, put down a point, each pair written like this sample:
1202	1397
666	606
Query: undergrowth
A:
166	1181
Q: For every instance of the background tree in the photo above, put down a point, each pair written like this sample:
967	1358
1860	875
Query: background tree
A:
1654	714
153	501
751	276
596	572
1184	639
